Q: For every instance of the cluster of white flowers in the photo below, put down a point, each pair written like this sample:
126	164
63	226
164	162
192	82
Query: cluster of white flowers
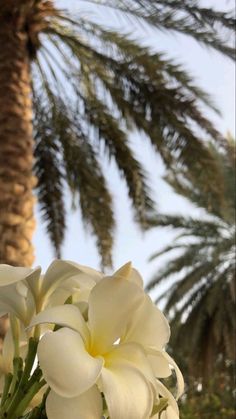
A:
99	340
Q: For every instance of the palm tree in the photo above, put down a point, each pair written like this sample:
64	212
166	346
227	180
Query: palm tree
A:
200	299
84	86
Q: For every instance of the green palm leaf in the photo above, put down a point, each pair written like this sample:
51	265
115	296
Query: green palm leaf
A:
200	298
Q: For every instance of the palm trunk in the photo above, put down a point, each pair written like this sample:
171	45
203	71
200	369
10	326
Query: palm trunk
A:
16	143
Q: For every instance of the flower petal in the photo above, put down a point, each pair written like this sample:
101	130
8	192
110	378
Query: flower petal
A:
11	274
169	413
62	270
111	304
136	277
12	301
148	326
67	366
179	376
123	272
164	392
159	363
34	281
127	392
86	406
67	316
133	355
129	273
86	270
15	296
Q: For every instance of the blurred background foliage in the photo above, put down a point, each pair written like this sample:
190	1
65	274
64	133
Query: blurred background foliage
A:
215	399
201	271
200	297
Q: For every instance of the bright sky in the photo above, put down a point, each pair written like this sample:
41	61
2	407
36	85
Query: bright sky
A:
215	74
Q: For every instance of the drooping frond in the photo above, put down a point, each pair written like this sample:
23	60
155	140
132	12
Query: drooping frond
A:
136	81
217	196
205	24
81	172
200	296
85	178
116	143
50	187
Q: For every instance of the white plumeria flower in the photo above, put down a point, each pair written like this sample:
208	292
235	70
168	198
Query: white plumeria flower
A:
109	353
24	291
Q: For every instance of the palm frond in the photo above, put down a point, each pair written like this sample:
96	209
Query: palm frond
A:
97	85
143	79
85	179
116	144
207	25
50	187
81	172
202	277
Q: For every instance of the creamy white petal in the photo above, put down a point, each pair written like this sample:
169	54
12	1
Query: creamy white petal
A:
129	273
34	281
179	376
169	413
78	282
159	363
112	303
58	297
123	272
15	296
11	274
60	271
164	392
86	270
131	354
136	277
148	326
127	392
61	295
66	315
67	366
86	406
12	301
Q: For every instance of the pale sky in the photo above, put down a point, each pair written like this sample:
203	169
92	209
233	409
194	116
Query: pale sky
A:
215	74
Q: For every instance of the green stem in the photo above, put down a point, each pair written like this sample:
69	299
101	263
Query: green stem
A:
7	384
29	362
19	405
17	370
39	411
35	377
22	384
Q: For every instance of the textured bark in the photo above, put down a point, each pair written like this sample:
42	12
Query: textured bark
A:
17	222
